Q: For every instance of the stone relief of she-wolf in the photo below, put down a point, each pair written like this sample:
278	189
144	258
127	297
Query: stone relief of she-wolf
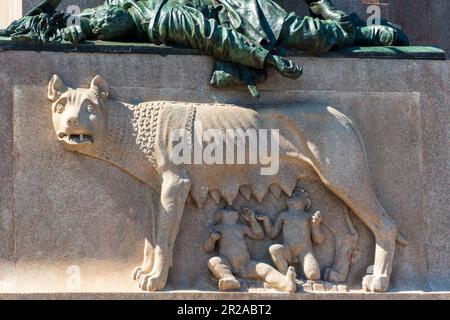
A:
137	139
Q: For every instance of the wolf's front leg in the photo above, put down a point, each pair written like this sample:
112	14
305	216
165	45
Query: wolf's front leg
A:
174	192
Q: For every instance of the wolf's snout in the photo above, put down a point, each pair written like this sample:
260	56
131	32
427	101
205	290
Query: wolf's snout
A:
73	122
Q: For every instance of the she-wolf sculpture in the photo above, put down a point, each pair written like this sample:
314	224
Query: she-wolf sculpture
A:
137	139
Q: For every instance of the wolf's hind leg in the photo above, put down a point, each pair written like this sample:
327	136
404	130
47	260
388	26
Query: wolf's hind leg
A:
147	264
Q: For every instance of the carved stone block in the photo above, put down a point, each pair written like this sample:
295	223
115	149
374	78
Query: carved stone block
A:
70	210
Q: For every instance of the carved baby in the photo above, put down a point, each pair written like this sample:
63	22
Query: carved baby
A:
234	254
298	227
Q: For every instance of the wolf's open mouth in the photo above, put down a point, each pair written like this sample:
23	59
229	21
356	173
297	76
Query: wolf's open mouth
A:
76	138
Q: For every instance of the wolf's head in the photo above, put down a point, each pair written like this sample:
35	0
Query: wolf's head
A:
78	114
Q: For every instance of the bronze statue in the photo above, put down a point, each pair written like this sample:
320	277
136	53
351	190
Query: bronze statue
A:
239	34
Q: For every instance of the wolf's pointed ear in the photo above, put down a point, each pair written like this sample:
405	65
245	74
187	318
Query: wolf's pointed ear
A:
100	86
56	88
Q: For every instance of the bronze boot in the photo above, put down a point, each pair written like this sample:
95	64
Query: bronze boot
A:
380	35
325	9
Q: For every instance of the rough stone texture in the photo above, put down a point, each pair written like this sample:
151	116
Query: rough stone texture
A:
426	22
6	172
395	104
186	295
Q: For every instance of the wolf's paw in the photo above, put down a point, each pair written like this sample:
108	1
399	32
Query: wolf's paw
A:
152	281
375	283
138	272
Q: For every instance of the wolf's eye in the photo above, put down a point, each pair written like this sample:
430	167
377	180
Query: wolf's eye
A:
59	108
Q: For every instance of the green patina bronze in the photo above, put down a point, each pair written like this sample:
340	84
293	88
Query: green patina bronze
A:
244	36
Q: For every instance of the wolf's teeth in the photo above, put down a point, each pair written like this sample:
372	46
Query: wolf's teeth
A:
81	138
